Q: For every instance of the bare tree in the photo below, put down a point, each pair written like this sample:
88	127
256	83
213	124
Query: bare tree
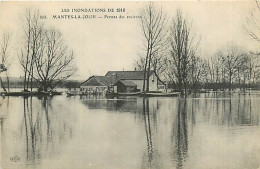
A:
169	74
140	63
44	56
153	24
183	48
217	62
199	71
33	30
231	62
252	25
249	67
54	63
158	63
5	56
37	42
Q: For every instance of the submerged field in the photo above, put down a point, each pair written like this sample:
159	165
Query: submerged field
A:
198	132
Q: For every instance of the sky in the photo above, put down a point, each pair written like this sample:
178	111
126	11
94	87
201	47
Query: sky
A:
104	44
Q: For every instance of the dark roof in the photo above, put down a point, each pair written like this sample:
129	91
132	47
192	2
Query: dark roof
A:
127	82
124	76
127	75
106	80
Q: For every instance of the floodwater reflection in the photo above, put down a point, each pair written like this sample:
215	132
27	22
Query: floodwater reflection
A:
179	135
200	132
41	129
32	132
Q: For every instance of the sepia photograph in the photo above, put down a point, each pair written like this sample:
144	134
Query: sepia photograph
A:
130	84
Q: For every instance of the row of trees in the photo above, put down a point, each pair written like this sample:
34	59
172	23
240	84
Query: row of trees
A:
172	51
233	67
45	58
229	68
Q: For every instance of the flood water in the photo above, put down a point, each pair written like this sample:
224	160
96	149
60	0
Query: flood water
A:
206	131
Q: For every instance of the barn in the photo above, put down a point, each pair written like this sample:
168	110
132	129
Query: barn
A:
131	78
126	86
121	82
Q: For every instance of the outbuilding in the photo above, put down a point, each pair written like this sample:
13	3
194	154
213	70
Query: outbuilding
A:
97	85
126	86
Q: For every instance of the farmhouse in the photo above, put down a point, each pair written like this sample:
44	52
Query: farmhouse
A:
121	82
126	80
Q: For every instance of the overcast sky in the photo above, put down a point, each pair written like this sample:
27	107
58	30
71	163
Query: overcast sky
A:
113	44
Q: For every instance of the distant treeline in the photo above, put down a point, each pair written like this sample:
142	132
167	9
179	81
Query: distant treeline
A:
216	86
19	83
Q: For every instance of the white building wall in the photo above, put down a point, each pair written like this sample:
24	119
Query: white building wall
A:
153	81
139	84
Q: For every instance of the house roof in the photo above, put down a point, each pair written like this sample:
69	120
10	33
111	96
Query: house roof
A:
124	76
127	82
127	75
106	80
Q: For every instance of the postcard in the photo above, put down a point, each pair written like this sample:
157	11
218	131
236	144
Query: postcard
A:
130	84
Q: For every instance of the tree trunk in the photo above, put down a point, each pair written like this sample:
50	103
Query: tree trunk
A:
230	80
145	67
8	82
24	82
144	78
45	88
32	80
148	74
1	81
